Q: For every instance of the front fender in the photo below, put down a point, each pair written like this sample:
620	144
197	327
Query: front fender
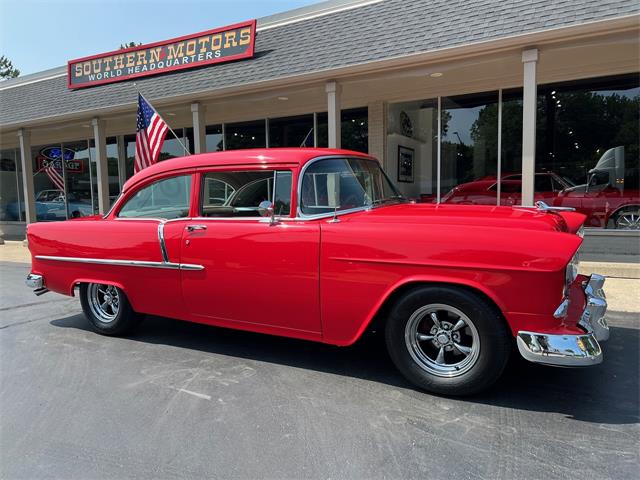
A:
421	280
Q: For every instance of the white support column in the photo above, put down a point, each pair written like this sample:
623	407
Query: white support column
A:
333	110
102	171
199	128
377	121
529	106
122	161
26	161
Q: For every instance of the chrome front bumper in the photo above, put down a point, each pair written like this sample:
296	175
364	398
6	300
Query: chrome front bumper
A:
37	283
572	350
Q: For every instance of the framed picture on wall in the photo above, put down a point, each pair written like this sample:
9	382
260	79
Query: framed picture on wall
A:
406	162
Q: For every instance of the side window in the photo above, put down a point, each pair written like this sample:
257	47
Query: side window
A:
282	194
168	198
543	183
244	191
511	186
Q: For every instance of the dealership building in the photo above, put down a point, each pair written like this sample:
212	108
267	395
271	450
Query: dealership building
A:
542	94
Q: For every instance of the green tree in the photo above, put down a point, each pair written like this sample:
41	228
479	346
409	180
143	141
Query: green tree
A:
124	46
7	70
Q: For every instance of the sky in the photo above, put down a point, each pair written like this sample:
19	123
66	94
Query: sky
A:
39	34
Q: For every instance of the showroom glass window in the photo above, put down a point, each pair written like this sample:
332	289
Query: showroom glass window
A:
171	147
588	137
469	148
112	170
412	144
214	138
62	180
245	135
291	131
11	193
354	129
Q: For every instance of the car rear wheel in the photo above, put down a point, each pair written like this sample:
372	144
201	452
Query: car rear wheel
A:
108	309
448	340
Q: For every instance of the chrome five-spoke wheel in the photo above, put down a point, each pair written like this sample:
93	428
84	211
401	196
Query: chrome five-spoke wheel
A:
108	309
104	301
448	339
442	340
628	220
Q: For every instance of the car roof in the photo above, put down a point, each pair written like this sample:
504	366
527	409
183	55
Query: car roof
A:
262	157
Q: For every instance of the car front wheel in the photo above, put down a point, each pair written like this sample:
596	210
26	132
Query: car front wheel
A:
108	309
448	340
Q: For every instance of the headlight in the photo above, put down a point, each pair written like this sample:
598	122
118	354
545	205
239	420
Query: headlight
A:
571	271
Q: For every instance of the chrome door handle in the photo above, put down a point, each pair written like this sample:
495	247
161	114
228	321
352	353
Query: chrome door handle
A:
191	228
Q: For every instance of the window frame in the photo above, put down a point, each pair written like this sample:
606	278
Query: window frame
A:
125	197
199	191
304	216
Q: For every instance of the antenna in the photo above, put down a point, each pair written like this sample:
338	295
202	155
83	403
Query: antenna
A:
335	218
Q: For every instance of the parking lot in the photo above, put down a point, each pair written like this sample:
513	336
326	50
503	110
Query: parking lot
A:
190	401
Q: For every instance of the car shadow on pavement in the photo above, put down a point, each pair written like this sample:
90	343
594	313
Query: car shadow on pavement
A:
607	393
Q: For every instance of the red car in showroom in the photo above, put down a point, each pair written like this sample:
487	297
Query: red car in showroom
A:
318	244
611	196
484	191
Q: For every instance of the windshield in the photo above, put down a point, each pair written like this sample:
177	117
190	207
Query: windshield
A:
343	184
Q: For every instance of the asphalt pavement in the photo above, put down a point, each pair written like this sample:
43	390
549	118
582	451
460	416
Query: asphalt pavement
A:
180	400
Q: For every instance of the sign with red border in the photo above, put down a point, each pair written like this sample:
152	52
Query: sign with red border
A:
205	48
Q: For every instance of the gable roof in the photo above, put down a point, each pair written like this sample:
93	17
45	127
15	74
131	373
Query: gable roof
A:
373	31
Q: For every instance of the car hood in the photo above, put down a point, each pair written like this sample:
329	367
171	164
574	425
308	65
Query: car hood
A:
470	215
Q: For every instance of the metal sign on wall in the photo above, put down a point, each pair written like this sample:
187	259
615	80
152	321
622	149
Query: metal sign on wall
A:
214	46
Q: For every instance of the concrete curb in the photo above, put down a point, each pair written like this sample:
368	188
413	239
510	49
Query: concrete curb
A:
611	269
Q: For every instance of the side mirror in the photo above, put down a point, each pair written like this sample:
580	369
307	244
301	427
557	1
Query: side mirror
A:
265	209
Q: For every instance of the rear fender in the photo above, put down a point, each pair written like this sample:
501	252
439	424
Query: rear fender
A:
424	280
78	281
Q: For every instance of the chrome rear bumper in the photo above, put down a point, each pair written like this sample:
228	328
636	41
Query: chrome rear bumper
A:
36	282
572	350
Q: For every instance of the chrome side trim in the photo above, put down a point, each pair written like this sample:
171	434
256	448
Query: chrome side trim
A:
163	247
124	263
559	350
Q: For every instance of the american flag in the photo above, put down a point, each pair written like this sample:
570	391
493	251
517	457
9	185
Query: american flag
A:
150	132
54	176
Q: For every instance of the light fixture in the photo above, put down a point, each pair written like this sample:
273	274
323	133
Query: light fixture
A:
171	114
436	74
553	92
283	99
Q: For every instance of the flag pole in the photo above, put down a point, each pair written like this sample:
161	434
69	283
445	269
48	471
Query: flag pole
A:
166	123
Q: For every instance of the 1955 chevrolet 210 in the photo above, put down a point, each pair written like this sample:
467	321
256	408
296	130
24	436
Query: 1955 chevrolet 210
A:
319	245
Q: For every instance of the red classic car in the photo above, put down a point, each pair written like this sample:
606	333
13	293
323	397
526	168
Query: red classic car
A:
484	191
611	196
319	245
